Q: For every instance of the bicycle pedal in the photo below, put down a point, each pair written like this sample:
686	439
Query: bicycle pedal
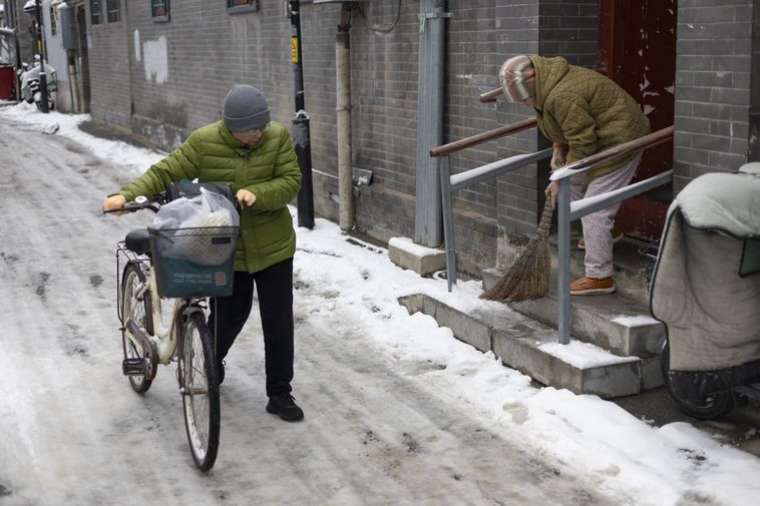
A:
134	367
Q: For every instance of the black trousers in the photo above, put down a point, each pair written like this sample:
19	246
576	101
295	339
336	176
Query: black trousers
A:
275	289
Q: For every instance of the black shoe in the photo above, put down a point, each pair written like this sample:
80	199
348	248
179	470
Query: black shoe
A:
285	407
220	371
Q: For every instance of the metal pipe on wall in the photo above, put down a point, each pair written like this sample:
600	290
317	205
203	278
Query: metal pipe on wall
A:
301	122
428	221
343	107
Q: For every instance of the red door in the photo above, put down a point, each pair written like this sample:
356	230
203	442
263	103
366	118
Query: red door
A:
7	82
638	51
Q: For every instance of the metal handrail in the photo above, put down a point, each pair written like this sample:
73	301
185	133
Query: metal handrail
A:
582	207
569	211
491	96
450	184
613	153
474	140
495	169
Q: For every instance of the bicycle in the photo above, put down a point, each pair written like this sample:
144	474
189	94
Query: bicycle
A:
148	341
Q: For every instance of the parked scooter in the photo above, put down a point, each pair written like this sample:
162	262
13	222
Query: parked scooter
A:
30	83
706	290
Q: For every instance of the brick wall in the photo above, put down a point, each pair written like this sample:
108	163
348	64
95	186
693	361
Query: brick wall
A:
203	50
754	112
181	70
712	90
109	69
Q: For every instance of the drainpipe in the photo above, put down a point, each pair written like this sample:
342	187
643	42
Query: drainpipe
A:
343	98
428	221
301	122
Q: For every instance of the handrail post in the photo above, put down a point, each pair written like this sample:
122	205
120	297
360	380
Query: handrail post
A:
563	270
448	221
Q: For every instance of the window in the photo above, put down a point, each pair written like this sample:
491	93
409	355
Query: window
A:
113	7
96	12
236	6
159	10
53	27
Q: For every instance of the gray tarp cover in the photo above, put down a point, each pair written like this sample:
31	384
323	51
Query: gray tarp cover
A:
712	314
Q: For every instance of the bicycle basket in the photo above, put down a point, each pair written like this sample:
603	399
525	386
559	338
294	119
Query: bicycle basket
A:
194	262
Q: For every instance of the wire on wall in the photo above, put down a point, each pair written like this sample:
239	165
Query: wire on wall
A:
382	29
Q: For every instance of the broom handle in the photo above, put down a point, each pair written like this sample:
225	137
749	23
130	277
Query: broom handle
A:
544	227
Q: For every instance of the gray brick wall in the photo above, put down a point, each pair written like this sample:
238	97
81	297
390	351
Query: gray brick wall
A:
207	50
481	35
712	87
109	69
570	29
754	113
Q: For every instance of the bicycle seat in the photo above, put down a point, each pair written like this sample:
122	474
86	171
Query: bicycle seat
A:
138	241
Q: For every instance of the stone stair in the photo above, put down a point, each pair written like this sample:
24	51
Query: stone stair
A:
531	347
616	344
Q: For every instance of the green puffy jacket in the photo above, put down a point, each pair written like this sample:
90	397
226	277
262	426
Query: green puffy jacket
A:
585	110
270	171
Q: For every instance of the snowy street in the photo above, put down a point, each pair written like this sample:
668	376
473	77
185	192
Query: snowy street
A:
397	410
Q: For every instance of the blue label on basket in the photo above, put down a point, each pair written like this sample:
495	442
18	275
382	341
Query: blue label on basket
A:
220	278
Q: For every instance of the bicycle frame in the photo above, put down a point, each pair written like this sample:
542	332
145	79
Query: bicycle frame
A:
165	334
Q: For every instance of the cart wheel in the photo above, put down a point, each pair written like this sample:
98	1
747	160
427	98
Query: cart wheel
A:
709	407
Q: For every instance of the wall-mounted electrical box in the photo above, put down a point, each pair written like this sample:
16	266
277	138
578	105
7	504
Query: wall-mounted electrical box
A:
68	23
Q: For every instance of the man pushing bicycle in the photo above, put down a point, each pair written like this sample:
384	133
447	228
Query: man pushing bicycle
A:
255	156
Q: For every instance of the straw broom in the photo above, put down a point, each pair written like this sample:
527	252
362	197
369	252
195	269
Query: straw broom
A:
528	278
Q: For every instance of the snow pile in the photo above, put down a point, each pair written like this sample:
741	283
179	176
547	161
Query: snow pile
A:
352	289
619	453
584	355
120	153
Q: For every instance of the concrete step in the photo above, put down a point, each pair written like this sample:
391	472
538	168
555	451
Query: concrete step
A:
532	348
613	322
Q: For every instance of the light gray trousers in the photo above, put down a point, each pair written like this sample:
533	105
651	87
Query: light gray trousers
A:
597	227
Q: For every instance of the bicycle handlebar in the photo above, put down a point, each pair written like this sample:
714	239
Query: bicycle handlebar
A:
137	205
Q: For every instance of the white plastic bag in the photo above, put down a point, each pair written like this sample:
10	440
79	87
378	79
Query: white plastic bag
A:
196	229
208	209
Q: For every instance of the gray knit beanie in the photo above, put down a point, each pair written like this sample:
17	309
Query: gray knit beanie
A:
245	109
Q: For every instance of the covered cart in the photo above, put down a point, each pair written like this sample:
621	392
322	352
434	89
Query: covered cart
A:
706	290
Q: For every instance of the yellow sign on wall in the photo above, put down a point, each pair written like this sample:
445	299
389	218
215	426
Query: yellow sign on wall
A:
294	49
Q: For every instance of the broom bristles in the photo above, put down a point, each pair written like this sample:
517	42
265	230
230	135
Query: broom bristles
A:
528	278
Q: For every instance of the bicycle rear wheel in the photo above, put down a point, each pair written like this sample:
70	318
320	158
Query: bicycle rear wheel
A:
200	391
140	311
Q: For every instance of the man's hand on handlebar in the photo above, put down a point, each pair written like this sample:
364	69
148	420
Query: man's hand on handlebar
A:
114	203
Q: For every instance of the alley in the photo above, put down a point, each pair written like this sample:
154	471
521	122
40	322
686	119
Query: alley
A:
73	432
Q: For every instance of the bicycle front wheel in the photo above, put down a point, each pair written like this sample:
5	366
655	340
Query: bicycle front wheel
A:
200	391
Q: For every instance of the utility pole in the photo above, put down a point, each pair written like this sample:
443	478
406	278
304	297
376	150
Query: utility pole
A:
301	133
40	46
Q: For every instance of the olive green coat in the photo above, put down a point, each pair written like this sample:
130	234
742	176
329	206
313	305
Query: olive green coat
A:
585	110
270	171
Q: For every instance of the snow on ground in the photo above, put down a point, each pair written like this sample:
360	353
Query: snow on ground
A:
359	288
133	158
